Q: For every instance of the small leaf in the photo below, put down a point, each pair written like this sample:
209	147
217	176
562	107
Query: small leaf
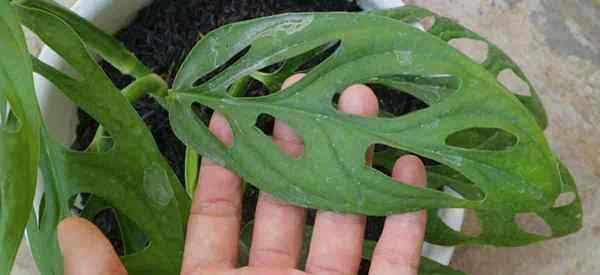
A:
191	171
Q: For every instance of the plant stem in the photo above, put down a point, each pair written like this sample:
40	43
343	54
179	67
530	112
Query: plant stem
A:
239	87
150	84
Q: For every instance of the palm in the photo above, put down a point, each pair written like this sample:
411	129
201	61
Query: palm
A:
214	224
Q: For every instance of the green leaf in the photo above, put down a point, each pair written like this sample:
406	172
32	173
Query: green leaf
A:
331	173
99	41
19	136
132	177
426	267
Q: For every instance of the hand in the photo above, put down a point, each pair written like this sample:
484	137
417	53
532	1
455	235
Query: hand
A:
214	225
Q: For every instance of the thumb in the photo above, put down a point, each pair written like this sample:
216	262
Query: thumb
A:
86	250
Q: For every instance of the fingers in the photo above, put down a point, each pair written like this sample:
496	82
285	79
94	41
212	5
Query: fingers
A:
86	250
336	246
399	248
279	227
253	271
214	223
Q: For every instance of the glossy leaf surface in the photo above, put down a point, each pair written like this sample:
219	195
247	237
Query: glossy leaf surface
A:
19	136
331	174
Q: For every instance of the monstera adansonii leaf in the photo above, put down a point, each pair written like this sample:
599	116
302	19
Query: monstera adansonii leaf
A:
19	136
131	176
521	176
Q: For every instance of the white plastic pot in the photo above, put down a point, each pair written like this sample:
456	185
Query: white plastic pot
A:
61	115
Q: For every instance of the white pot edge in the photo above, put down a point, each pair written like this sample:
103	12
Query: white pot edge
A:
61	115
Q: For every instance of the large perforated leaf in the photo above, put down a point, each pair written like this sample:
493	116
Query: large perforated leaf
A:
19	136
522	176
131	177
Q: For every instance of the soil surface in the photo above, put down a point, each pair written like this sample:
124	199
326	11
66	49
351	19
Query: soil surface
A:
161	36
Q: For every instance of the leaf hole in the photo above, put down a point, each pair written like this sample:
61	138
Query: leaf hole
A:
429	90
107	221
61	64
202	112
8	121
489	139
427	22
514	83
317	56
392	102
119	79
265	123
125	236
475	49
90	136
565	199
533	224
204	115
272	76
249	87
471	224
285	137
218	70
4	110
273	68
384	157
440	177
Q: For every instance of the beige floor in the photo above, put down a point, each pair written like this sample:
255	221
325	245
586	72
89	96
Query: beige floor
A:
557	43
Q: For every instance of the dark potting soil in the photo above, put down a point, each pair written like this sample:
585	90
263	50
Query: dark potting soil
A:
161	36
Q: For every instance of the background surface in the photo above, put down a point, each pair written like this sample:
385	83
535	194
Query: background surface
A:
557	43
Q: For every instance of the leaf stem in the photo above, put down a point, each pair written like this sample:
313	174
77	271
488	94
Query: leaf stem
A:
150	84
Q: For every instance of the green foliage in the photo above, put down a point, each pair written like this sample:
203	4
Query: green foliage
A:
19	136
487	143
510	169
132	177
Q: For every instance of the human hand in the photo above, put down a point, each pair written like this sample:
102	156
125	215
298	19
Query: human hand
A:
214	224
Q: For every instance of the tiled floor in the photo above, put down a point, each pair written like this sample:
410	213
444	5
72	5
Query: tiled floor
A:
557	43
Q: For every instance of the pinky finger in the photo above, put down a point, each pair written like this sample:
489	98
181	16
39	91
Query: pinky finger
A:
399	249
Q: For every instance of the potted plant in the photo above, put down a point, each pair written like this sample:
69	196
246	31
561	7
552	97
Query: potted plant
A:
483	141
